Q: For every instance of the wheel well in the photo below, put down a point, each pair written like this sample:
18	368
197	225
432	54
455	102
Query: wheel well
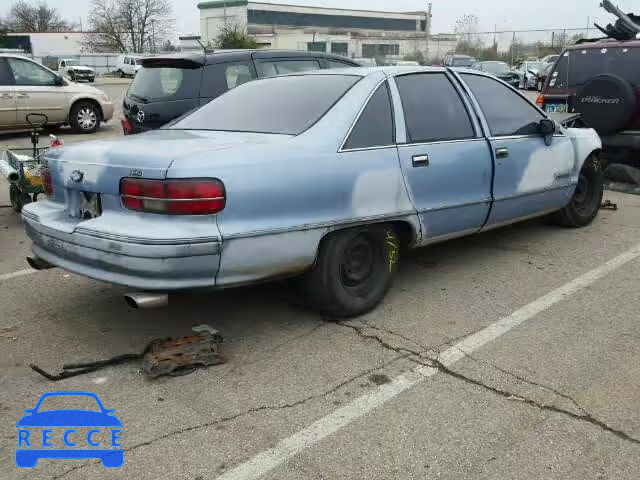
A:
88	100
404	230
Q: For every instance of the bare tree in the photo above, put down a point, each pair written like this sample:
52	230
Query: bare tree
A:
467	29
24	17
127	25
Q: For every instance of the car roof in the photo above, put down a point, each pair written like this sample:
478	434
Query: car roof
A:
605	43
223	56
390	71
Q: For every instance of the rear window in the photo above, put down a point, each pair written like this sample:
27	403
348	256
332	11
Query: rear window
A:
463	62
576	67
165	83
281	105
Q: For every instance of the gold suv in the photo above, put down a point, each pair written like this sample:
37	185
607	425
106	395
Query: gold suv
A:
28	87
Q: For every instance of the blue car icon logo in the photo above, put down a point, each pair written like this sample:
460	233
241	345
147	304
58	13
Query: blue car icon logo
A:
67	433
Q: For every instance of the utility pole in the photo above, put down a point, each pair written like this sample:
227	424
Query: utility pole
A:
153	36
588	25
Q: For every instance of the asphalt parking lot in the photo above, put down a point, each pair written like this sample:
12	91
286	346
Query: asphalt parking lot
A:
511	354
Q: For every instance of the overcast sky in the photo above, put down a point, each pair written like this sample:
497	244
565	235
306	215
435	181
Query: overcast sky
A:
506	14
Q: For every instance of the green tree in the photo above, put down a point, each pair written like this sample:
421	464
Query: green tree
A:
232	35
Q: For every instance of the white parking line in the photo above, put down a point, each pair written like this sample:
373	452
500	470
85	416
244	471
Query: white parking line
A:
269	459
19	273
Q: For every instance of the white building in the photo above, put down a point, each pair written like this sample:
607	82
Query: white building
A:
353	33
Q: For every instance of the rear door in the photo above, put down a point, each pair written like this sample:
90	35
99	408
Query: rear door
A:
530	177
36	92
446	160
7	97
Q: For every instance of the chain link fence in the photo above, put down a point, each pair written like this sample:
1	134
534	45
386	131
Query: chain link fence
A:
511	47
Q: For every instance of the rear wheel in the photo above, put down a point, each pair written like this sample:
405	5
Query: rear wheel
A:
121	74
354	270
84	117
18	198
586	201
540	85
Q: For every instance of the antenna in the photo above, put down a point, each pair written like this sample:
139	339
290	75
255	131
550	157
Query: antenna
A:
202	45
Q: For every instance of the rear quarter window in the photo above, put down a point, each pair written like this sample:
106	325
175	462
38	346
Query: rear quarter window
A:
576	67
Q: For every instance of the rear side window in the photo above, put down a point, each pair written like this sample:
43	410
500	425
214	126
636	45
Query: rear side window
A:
374	128
337	64
433	109
219	78
284	67
281	105
166	83
507	113
575	67
5	77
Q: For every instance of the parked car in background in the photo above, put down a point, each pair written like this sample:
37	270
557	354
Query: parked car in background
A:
542	76
167	87
528	73
406	63
550	59
454	60
75	70
128	65
28	87
601	81
500	70
320	174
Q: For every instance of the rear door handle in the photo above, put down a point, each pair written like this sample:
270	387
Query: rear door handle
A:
420	160
6	96
502	153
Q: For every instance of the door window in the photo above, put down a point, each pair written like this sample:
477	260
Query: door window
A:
5	76
507	113
374	128
29	73
221	77
433	110
284	67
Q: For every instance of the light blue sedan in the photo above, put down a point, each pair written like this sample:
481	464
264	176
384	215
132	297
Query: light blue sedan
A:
326	175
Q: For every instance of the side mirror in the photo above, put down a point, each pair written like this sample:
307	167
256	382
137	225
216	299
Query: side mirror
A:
59	81
547	127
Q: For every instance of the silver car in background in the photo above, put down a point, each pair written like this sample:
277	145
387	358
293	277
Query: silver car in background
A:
528	73
324	175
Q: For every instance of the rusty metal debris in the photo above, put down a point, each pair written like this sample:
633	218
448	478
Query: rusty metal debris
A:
609	205
173	357
183	355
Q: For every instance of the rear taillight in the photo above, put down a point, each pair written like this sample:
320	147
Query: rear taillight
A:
173	197
45	174
127	127
540	101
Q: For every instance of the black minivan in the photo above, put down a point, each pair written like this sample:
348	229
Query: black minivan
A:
167	87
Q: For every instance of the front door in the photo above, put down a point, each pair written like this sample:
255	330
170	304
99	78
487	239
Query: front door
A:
445	160
7	97
37	92
531	177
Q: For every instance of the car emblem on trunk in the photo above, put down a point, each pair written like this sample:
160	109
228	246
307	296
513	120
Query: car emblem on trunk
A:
140	116
76	176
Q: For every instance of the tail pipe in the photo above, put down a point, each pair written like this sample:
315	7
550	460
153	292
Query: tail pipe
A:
144	300
39	264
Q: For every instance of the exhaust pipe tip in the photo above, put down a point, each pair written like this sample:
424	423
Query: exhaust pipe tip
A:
39	264
142	300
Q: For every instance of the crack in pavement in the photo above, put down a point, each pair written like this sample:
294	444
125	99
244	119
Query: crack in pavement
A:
249	411
424	360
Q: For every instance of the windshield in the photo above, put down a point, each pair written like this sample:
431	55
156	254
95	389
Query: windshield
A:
496	67
463	62
165	83
280	105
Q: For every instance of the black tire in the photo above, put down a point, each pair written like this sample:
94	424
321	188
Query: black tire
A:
121	74
18	198
84	117
540	85
524	83
92	79
354	271
72	76
587	199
